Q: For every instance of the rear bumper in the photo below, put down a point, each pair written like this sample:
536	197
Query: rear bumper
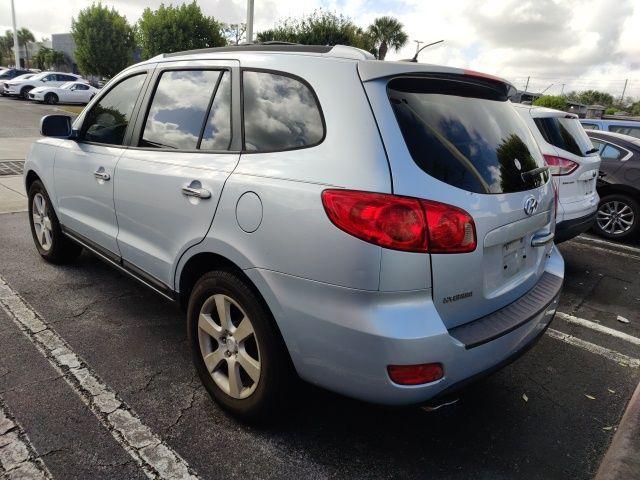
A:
344	339
568	229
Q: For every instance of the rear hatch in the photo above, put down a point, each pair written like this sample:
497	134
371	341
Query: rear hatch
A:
455	138
564	134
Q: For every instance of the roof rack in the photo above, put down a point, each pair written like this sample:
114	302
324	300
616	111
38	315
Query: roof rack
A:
341	51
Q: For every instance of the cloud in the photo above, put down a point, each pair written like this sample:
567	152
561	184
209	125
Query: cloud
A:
581	43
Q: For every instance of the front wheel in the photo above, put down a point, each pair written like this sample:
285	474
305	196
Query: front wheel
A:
51	243
237	350
51	98
617	217
24	93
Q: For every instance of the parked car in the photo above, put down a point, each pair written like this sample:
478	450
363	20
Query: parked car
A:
11	73
626	127
70	92
574	163
24	76
22	88
618	185
389	240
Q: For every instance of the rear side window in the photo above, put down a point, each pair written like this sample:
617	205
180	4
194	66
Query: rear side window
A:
107	121
280	113
608	151
632	131
217	131
178	109
565	133
466	134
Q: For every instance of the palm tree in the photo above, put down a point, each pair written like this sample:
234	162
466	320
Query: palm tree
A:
387	32
24	37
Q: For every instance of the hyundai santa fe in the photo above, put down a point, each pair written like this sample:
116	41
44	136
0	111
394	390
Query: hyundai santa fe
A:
381	229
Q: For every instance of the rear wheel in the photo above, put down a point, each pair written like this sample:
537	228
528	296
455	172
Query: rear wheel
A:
617	217
51	243
237	350
51	98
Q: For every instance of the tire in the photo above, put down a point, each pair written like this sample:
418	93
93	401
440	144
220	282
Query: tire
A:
24	93
51	98
51	243
628	210
259	395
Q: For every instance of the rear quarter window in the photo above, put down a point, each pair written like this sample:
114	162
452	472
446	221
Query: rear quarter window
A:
280	112
565	133
465	133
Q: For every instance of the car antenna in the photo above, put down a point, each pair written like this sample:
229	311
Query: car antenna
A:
415	57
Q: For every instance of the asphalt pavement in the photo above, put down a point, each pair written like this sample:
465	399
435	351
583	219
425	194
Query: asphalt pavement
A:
74	335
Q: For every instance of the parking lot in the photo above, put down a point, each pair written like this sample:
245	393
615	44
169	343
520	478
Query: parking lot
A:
551	414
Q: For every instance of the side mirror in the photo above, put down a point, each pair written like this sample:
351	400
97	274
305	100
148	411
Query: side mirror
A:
56	126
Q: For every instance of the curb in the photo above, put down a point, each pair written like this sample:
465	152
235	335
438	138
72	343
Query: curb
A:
622	460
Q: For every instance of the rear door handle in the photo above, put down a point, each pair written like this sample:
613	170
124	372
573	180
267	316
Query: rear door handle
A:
101	174
195	190
542	239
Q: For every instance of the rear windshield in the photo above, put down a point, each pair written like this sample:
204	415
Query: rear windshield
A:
565	133
466	133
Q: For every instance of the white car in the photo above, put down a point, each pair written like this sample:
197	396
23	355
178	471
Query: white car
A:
25	76
22	88
573	162
70	92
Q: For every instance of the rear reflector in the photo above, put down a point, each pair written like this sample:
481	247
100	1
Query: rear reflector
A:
401	223
559	166
415	374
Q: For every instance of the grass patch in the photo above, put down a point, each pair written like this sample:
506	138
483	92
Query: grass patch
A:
75	109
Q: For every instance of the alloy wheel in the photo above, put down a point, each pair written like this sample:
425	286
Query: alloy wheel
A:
229	346
42	222
615	217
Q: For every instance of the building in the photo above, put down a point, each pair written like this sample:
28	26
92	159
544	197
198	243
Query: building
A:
64	43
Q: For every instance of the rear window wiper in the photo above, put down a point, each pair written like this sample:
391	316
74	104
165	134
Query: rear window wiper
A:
534	172
593	150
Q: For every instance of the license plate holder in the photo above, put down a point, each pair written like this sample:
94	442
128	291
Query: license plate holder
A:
514	255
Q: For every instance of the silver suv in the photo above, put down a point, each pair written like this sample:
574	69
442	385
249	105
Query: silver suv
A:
381	229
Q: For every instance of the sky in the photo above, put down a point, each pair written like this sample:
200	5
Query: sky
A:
560	45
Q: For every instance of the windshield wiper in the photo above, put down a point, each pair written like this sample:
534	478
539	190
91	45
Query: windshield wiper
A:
534	172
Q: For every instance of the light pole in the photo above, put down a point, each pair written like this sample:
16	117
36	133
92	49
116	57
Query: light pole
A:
16	49
249	21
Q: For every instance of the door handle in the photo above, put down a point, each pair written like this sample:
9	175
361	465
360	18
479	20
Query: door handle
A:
542	239
101	174
198	192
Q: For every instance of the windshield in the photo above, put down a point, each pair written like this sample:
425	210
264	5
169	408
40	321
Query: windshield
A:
565	133
67	85
466	135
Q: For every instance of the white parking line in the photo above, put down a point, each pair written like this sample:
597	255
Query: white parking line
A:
599	241
18	458
608	250
156	458
617	357
598	328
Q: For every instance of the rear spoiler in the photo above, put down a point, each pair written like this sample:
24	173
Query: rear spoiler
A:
376	69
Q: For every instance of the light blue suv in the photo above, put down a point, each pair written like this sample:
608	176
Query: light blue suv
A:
381	229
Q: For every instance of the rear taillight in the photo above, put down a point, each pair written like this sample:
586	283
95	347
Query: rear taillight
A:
560	166
401	223
415	374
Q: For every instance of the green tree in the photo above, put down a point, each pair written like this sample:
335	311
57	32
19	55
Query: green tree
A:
592	97
387	32
173	29
6	45
610	111
104	40
24	37
235	33
319	28
551	101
